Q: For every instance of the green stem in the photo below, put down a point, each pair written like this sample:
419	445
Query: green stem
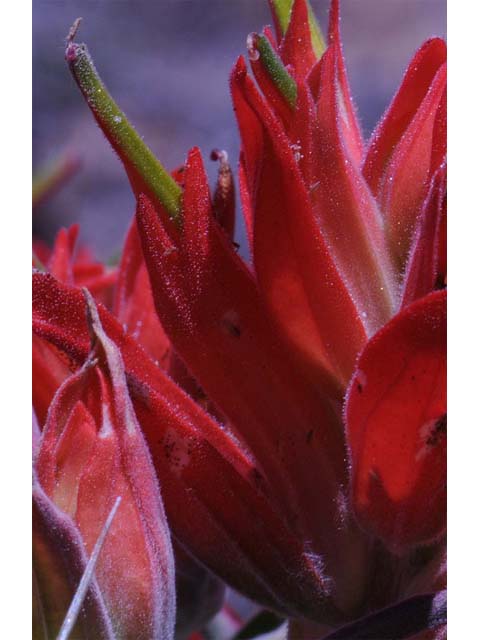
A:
53	177
275	68
131	149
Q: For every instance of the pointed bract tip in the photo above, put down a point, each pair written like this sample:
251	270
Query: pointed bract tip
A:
239	70
252	47
72	48
73	30
334	21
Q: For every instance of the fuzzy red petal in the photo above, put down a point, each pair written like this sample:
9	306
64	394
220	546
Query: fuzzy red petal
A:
316	313
411	167
347	213
296	47
61	261
186	445
409	145
91	452
416	83
211	310
396	427
133	304
75	265
426	264
49	370
245	199
348	120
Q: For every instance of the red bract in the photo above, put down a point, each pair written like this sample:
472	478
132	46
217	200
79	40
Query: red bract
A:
186	445
91	451
314	512
396	420
409	145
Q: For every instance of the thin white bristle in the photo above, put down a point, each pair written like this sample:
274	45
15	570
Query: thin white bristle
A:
78	598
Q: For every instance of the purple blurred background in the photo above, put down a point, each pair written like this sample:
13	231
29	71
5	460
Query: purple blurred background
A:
167	63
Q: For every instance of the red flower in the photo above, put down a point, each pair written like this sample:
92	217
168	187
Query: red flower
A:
325	361
90	452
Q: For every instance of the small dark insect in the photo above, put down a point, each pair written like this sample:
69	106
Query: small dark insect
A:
439	430
230	324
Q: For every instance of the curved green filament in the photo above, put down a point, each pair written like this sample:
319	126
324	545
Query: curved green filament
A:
276	69
133	152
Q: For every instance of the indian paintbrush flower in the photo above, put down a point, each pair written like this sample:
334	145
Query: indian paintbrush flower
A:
303	462
90	452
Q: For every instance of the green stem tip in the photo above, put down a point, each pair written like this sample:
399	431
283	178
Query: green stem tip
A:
259	47
140	163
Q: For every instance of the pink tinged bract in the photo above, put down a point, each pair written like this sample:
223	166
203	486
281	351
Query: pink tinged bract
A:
426	266
347	113
92	451
409	145
347	213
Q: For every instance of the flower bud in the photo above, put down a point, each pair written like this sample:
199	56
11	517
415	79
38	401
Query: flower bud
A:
91	452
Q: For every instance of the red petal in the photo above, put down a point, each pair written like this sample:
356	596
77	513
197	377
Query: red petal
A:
251	131
423	272
61	260
100	282
348	121
409	145
133	305
245	199
416	83
49	370
210	308
411	167
396	422
186	445
91	470
72	451
296	47
290	252
347	213
80	269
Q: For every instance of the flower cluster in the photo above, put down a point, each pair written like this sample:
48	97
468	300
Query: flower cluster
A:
278	426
